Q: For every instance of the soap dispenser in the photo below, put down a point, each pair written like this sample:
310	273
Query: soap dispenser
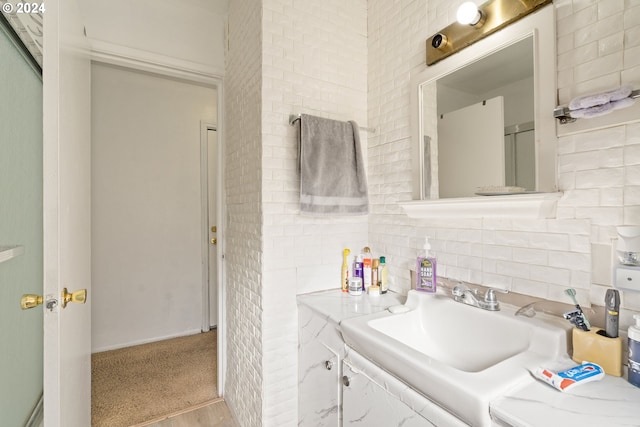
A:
426	270
634	352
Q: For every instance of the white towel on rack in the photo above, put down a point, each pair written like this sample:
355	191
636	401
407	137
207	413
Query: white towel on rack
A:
601	110
595	99
332	176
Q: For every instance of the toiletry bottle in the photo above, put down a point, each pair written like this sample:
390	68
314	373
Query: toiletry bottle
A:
426	271
375	264
382	275
366	267
634	352
357	267
345	270
355	286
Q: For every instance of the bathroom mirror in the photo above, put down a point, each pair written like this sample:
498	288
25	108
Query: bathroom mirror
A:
482	119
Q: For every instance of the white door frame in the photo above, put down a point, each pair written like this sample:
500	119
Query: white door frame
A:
184	70
204	215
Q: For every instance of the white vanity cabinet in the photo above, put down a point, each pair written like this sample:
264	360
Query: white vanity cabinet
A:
373	397
367	403
320	352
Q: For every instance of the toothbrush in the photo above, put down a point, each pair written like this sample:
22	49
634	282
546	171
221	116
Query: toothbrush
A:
576	317
572	293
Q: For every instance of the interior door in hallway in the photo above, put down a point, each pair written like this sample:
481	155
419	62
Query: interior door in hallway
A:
66	216
210	176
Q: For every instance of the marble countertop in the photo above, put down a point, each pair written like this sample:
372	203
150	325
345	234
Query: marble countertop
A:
338	305
610	402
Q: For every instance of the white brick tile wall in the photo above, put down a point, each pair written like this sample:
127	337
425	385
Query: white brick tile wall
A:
581	4
580	18
600	67
610	7
598	170
314	60
632	37
284	58
354	60
603	28
613	43
244	232
564	8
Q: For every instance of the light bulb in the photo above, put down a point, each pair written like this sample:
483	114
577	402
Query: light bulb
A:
468	14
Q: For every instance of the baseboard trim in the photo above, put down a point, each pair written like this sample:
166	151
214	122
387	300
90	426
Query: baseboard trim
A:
146	341
180	412
37	415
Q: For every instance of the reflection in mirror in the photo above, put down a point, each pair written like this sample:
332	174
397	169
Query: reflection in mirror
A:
481	133
484	117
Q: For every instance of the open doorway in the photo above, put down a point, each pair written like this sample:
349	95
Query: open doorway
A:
147	229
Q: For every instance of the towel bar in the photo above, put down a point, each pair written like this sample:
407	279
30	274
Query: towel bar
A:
564	113
295	117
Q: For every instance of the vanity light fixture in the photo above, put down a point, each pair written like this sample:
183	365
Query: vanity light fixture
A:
475	23
469	14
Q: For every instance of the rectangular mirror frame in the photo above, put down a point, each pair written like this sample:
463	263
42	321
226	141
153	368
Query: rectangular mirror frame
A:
541	25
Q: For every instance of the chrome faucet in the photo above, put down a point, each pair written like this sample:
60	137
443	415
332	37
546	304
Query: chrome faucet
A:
464	294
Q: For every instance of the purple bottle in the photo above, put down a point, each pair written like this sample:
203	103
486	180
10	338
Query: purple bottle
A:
358	269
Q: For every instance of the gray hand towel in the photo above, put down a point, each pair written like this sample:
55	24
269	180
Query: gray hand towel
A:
332	176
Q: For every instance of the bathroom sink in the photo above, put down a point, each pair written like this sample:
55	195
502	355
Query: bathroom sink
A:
459	356
468	340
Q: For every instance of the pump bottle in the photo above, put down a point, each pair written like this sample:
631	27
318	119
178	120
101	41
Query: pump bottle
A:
634	352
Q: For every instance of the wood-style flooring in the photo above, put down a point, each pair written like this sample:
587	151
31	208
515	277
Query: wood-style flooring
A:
211	414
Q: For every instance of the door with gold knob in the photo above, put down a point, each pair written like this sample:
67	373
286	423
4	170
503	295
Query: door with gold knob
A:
67	217
21	271
212	173
32	300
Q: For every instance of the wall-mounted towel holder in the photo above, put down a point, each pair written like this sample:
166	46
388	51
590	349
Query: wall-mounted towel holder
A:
563	114
295	117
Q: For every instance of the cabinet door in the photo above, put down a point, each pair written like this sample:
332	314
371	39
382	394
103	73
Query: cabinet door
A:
365	403
318	386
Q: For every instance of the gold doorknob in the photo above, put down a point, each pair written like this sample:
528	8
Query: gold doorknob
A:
79	297
214	241
30	300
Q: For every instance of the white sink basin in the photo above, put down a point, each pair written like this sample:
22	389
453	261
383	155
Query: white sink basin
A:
459	356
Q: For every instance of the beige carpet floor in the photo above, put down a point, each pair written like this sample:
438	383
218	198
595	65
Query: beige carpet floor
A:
135	384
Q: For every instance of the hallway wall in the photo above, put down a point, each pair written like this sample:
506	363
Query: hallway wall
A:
146	217
188	32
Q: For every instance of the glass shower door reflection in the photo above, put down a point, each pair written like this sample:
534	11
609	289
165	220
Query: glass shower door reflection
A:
21	332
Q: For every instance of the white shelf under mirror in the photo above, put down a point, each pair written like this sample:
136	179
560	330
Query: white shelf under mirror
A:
11	251
531	206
